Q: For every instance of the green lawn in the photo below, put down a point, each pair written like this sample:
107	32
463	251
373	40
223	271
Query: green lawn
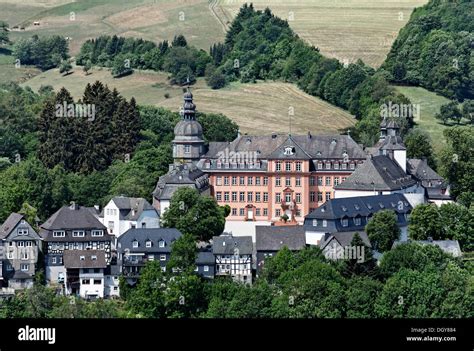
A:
430	104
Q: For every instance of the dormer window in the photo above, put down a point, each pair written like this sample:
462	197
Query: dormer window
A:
23	231
59	234
315	222
187	149
94	258
320	165
328	165
97	233
78	233
82	258
134	244
357	220
161	243
148	243
345	222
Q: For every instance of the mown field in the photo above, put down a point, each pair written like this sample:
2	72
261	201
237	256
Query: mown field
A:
345	29
430	103
257	108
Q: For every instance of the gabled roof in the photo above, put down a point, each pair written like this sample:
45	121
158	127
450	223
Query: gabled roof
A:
130	208
362	206
344	238
227	245
377	173
315	146
273	238
448	246
420	170
84	259
142	235
289	149
9	224
72	217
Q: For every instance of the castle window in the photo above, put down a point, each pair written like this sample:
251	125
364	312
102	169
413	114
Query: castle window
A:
265	180
187	149
298	198
234	212
242	196
352	166
265	197
312	181
344	166
277	198
219	196
336	180
298	181
320	180
328	181
234	180
328	165
226	196
242	181
257	197
287	181
320	196
288	166
277	181
257	180
234	196
218	180
298	166
312	196
278	166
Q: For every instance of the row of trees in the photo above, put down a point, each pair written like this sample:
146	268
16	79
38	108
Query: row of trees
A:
452	112
123	54
43	52
434	49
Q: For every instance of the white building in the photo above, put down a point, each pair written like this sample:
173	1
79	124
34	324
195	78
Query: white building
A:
234	257
123	213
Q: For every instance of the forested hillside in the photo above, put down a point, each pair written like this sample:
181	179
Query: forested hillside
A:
434	50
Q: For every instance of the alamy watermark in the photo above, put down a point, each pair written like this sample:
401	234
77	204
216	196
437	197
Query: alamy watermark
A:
338	252
227	156
408	111
76	110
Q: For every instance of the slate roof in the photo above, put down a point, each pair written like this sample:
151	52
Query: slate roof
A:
273	238
9	224
179	176
391	142
317	146
72	217
142	235
420	170
84	259
226	245
297	153
344	238
205	257
22	275
377	173
130	208
363	206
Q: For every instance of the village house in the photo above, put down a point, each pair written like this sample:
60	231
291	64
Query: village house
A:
137	246
233	257
122	213
271	239
72	228
21	246
352	215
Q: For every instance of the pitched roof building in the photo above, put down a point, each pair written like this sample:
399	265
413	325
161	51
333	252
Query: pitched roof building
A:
271	239
20	246
352	214
233	257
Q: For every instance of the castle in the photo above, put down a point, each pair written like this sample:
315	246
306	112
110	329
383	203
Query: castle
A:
279	179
